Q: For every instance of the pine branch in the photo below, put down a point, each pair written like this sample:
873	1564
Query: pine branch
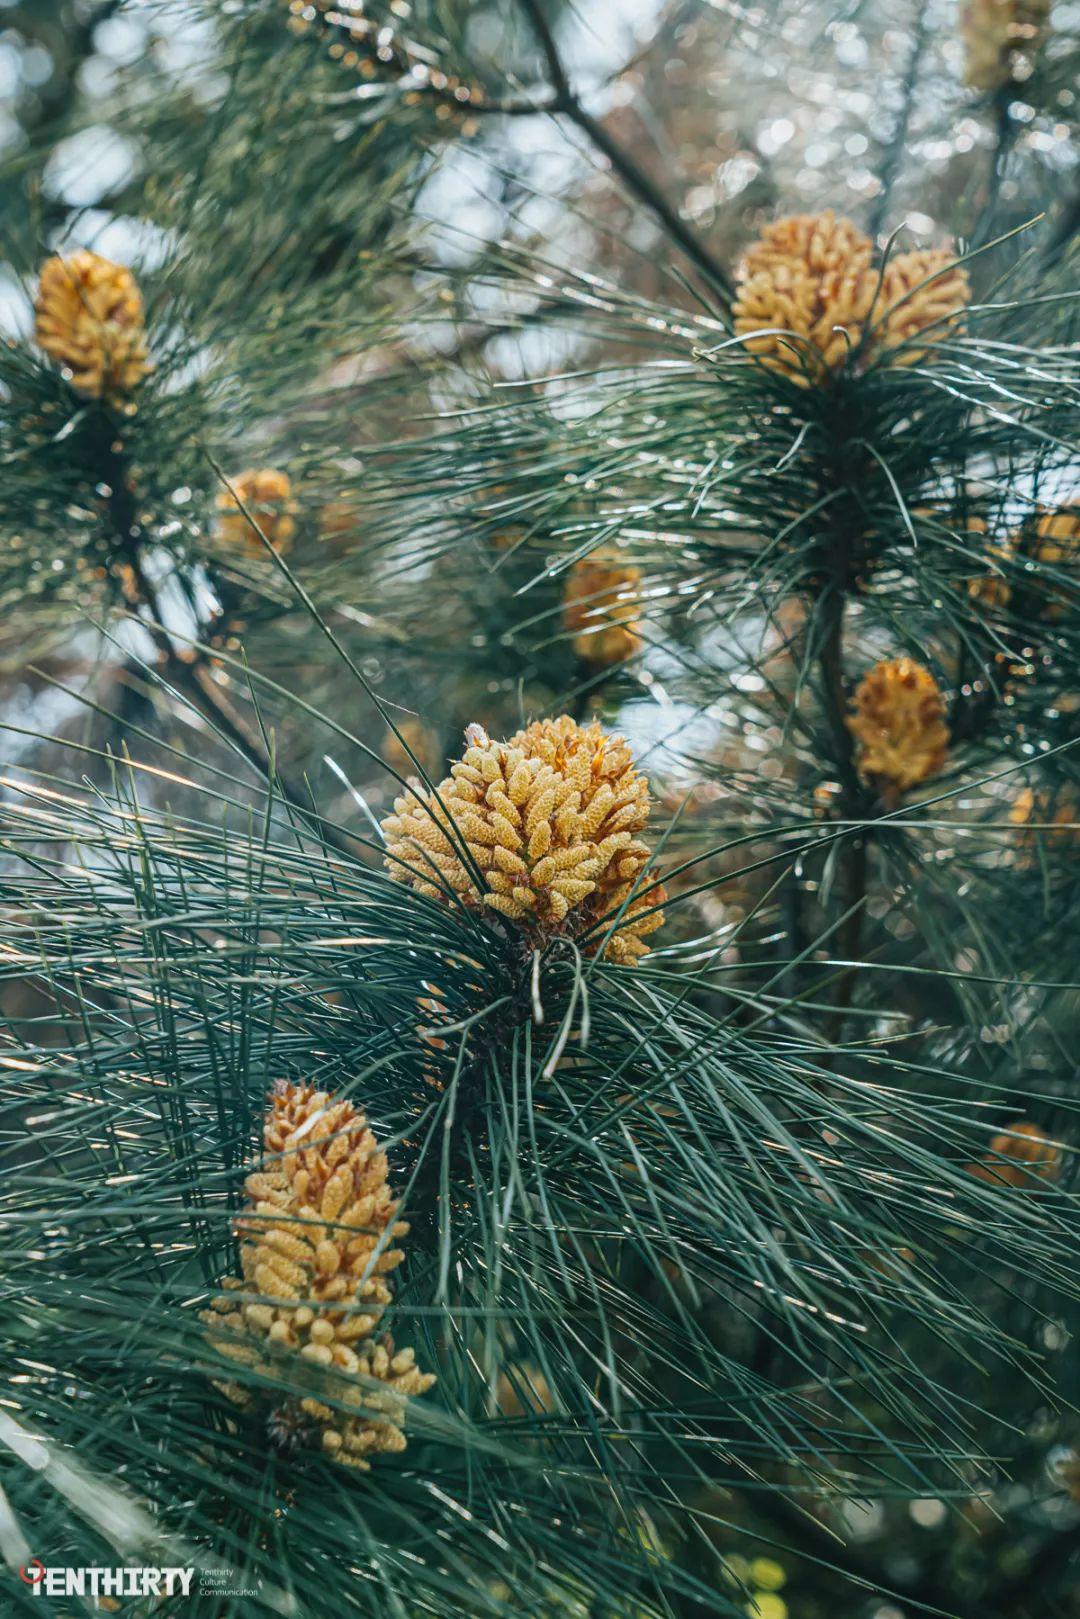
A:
566	101
751	1263
894	152
1065	228
191	672
840	478
1006	129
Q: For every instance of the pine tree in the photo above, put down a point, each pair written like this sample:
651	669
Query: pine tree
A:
538	876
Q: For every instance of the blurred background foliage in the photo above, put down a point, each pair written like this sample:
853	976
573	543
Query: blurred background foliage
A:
468	290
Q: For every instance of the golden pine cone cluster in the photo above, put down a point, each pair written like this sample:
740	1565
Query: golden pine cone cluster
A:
808	287
600	606
551	818
1022	1157
898	725
808	276
268	497
315	1248
994	32
89	319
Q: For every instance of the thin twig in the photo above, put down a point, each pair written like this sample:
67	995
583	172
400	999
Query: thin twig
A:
566	102
1066	227
853	860
833	601
1007	129
191	672
894	151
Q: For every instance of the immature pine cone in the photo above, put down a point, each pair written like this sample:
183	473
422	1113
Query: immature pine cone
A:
90	321
523	1391
809	287
319	1208
992	590
1058	534
339	520
550	818
268	497
899	725
993	32
600	605
1057	546
1062	814
1023	1156
420	738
